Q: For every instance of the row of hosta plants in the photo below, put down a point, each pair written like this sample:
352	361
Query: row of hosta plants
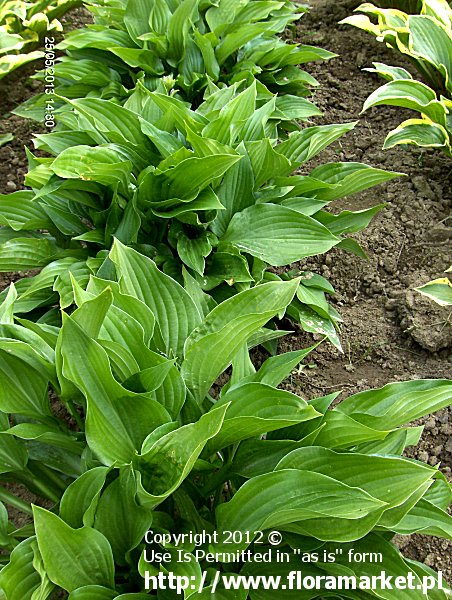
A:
208	194
198	177
426	40
149	448
160	222
183	46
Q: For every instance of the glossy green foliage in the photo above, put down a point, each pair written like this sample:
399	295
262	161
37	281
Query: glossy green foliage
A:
208	194
184	46
158	443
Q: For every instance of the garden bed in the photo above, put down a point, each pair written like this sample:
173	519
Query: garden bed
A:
389	332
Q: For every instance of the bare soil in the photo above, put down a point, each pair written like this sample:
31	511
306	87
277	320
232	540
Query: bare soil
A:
389	332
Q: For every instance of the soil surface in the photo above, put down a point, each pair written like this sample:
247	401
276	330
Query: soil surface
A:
390	333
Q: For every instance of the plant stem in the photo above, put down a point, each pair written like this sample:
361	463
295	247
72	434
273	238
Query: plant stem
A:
12	500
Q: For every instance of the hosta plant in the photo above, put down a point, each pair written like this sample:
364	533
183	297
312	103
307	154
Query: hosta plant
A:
423	38
433	129
22	27
208	194
176	431
182	45
426	39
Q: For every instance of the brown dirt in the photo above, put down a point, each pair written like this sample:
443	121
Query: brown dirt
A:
389	333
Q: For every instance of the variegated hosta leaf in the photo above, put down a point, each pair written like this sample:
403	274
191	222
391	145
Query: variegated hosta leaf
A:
426	39
439	290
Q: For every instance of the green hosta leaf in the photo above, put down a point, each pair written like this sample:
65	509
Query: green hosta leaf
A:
255	409
119	124
193	251
23	253
166	143
180	114
220	15
206	47
159	15
142	59
110	323
131	309
7	306
67	222
64	276
348	221
19	212
56	142
233	41
23	395
257	457
77	271
390	479
47	435
394	443
120	518
224	266
188	212
235	193
136	18
237	111
102	165
91	38
79	501
156	373
278	235
307	143
425	518
13	455
19	579
293	107
348	178
151	378
178	26
117	420
188	178
91	313
276	368
65	563
341	431
92	592
163	467
254	128
439	290
289	496
175	312
220	337
397	482
396	404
